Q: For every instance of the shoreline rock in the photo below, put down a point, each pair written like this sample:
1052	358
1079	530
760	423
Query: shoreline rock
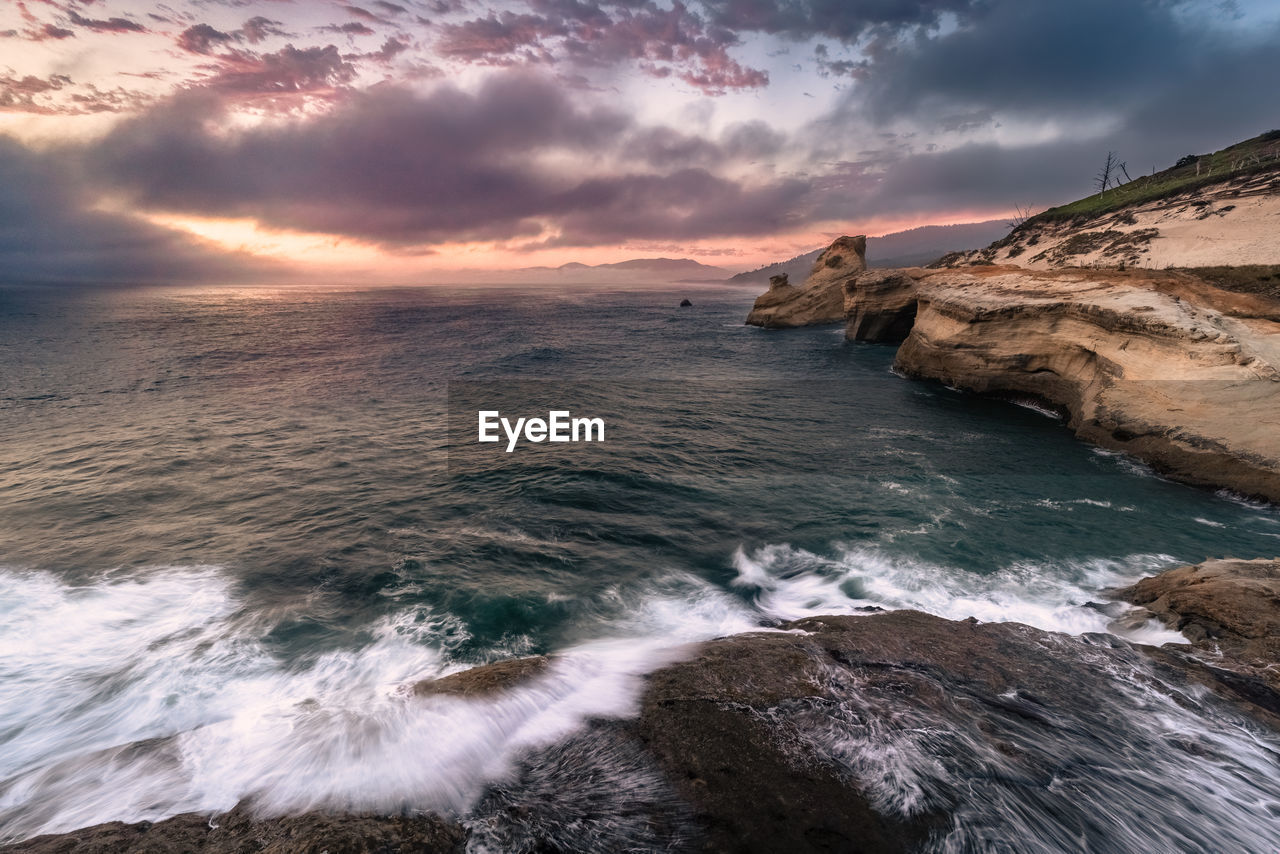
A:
1228	609
876	733
238	832
1183	378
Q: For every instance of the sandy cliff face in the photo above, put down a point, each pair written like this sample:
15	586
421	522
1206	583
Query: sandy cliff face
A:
821	298
1161	365
1176	373
1233	222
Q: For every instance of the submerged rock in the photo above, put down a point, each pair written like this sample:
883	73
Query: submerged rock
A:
484	681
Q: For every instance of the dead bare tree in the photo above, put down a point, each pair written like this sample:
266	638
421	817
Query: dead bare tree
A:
1020	215
1103	178
1125	172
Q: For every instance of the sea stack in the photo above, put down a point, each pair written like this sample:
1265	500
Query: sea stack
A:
821	298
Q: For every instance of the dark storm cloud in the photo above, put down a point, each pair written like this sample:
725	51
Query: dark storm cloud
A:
406	170
1138	65
47	234
1150	80
1041	57
843	20
687	40
970	177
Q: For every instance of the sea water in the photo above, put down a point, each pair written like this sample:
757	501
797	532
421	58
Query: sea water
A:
236	526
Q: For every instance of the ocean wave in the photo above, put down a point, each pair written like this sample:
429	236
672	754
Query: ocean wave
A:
787	583
137	699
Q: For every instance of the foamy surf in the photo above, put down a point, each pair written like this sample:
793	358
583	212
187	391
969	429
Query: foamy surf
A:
138	699
787	583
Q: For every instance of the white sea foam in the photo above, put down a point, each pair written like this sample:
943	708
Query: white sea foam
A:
791	583
139	698
87	673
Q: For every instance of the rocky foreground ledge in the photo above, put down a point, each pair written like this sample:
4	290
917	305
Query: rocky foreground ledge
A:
886	732
1159	365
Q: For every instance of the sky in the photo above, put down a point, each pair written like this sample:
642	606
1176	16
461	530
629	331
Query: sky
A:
398	140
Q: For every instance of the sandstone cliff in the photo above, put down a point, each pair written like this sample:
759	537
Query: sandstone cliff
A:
821	298
1160	366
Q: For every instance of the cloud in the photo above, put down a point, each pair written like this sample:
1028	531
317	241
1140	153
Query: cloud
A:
351	28
106	25
49	234
517	160
1021	100
258	29
202	39
843	20
661	42
58	94
287	72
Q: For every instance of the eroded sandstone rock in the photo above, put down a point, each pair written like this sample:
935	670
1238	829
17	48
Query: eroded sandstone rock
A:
820	299
1161	366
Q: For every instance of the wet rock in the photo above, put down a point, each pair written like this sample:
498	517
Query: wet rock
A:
486	680
890	732
237	832
598	790
1228	609
902	731
684	303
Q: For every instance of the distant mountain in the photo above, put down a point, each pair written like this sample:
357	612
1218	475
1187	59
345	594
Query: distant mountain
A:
638	271
900	249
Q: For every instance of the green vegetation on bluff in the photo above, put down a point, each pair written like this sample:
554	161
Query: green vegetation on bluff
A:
1260	154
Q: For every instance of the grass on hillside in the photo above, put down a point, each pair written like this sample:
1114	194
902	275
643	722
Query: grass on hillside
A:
1260	154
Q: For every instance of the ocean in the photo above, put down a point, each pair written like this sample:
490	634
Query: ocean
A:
237	525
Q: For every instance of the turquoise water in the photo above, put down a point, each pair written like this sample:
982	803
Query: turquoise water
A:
239	522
